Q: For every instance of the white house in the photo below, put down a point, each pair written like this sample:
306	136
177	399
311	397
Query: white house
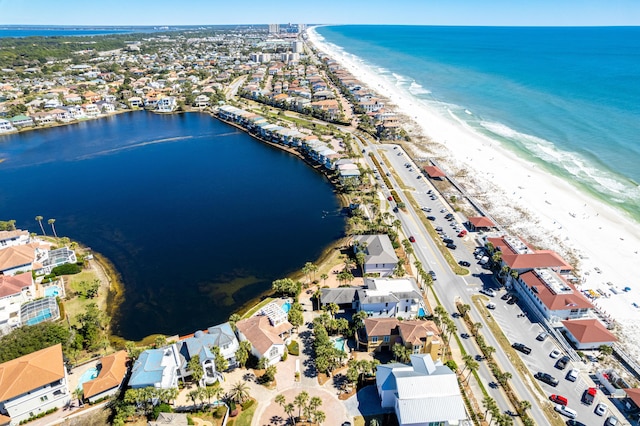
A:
423	393
380	257
14	291
224	338
200	344
394	298
156	368
167	104
6	126
14	238
268	332
33	384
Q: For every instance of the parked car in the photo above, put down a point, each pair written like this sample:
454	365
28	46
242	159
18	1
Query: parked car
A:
561	364
566	411
559	399
438	228
505	296
447	241
433	275
426	209
464	263
546	378
512	300
542	335
600	409
572	375
611	421
390	198
555	354
452	246
589	395
462	233
522	348
412	239
491	305
431	217
488	292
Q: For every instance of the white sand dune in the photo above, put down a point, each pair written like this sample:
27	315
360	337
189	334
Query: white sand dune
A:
548	212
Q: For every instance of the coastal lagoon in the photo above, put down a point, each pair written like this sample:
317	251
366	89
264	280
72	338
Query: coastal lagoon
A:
197	216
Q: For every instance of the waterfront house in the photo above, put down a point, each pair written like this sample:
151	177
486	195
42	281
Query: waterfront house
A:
33	384
14	291
135	102
91	110
397	298
105	107
21	121
16	237
6	126
199	344
268	332
17	259
345	297
423	393
113	370
201	101
380	257
44	117
156	368
224	338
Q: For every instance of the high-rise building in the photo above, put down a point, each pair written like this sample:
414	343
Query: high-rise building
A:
297	47
302	27
274	28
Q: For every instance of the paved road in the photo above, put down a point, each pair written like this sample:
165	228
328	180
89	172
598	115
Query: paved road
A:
449	287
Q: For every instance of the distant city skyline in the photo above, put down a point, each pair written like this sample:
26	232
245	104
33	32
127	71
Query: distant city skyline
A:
409	12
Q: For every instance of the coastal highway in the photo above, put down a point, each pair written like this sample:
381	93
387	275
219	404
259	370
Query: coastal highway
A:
448	286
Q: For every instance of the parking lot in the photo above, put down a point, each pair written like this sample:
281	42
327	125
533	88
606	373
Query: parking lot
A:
517	326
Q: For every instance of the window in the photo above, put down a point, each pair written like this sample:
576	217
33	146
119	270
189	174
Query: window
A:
374	339
44	398
386	339
225	347
58	392
406	309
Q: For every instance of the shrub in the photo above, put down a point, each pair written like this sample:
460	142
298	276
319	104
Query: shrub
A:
161	408
66	269
247	404
284	356
190	420
293	348
219	413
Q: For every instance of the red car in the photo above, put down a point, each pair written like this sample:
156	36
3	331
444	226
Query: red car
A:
390	198
462	233
413	240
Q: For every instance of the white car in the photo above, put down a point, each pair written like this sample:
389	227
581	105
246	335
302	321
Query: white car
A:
555	354
572	375
601	409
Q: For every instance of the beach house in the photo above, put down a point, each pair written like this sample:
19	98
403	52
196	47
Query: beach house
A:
380	257
268	332
17	237
156	368
423	393
380	334
33	384
223	337
112	372
390	298
14	291
200	345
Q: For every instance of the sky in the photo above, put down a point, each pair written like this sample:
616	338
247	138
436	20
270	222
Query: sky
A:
409	12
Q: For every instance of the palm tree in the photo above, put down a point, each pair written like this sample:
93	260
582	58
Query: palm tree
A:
51	222
473	366
281	400
324	277
467	359
319	417
525	405
39	219
239	392
288	409
210	392
489	404
300	401
79	394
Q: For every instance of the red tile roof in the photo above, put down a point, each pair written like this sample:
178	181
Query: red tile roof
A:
589	331
10	285
434	172
555	302
539	259
415	332
262	335
634	395
114	368
30	372
481	222
14	256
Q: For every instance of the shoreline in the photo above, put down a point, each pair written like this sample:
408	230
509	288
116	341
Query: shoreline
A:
544	209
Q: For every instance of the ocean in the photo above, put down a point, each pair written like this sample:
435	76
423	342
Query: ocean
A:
567	99
198	217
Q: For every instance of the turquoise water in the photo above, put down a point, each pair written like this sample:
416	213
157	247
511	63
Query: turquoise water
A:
87	376
52	291
44	315
567	99
340	344
421	312
286	307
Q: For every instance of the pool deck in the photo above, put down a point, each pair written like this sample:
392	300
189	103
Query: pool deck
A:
77	372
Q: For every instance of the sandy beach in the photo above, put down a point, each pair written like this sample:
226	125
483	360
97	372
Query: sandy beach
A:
542	209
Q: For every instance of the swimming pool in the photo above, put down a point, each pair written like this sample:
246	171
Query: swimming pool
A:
88	375
421	312
340	344
43	315
286	307
52	291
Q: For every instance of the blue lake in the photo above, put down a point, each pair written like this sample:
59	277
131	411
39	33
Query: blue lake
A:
198	217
